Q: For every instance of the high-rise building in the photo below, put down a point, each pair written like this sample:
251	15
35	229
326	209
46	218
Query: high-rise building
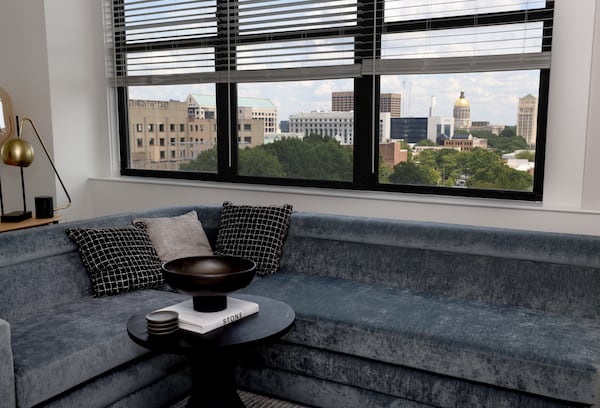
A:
462	112
342	101
158	132
164	134
527	118
199	106
388	102
411	130
337	125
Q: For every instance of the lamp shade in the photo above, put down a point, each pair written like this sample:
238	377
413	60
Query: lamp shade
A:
17	152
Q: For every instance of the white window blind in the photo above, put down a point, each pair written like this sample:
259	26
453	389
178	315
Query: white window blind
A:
198	41
442	36
206	41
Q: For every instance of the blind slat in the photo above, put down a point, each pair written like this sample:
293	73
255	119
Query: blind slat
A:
162	41
483	63
288	74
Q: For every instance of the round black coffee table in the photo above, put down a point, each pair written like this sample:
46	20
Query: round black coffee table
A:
214	355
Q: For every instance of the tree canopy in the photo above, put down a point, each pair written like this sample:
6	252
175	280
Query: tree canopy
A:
479	168
322	158
313	157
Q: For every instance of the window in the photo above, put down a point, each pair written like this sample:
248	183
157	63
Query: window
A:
442	97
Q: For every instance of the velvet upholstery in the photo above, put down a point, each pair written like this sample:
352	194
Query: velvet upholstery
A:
512	348
61	346
76	342
390	313
7	373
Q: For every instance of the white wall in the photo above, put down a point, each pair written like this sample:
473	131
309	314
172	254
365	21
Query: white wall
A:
53	67
76	98
24	75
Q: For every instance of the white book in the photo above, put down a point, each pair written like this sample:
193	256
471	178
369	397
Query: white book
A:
203	322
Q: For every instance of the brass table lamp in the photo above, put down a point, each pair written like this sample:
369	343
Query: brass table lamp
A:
19	152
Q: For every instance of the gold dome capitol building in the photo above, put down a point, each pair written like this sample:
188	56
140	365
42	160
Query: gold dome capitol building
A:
462	112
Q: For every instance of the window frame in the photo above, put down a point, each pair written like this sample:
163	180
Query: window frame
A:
366	108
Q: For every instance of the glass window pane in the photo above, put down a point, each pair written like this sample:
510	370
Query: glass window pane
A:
186	115
465	42
405	10
293	131
475	130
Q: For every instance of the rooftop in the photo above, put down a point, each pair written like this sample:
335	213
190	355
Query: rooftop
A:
243	102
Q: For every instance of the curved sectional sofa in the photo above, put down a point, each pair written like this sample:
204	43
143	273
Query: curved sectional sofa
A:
389	313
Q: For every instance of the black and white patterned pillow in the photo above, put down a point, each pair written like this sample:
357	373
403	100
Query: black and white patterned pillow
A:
254	232
118	259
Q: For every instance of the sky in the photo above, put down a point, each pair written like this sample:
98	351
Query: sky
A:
493	96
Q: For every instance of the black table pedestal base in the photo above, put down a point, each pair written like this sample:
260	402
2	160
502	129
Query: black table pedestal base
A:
215	355
213	383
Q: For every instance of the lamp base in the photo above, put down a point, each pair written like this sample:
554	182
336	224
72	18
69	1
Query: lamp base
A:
16	216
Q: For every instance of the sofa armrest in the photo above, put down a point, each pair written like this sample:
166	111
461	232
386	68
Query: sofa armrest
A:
7	372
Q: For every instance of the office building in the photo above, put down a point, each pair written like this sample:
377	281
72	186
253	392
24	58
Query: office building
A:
388	102
462	112
527	118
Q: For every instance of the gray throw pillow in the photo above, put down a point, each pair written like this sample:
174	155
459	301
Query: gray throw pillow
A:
177	237
254	232
118	259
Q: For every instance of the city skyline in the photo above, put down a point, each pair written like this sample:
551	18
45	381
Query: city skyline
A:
493	96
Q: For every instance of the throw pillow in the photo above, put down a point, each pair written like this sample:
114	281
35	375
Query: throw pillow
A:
118	259
177	237
254	232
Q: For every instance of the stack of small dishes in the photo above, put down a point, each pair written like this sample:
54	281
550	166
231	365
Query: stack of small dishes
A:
162	322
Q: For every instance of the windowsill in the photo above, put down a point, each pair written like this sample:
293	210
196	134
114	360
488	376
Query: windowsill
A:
425	199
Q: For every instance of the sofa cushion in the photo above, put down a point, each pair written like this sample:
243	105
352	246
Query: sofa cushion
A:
118	259
254	232
513	348
65	346
177	237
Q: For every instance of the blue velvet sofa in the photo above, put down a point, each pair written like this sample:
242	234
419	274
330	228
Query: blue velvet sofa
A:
389	314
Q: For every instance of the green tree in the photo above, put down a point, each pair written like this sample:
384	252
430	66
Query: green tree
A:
384	170
413	173
426	158
485	169
425	142
205	161
259	162
509	131
314	157
527	154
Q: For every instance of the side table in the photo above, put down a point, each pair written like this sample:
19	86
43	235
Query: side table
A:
214	355
29	223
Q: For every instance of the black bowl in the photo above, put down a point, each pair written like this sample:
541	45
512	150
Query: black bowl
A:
209	278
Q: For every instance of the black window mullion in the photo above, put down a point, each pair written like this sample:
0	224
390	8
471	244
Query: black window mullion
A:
122	94
540	145
123	115
366	97
226	94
